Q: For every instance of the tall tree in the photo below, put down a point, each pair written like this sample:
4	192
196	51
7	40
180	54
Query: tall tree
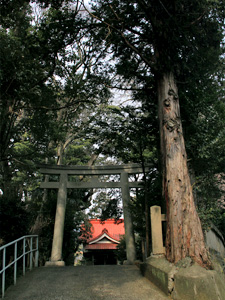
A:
47	86
165	38
203	121
28	58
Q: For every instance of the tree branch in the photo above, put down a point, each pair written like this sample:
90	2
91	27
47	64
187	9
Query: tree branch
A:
150	63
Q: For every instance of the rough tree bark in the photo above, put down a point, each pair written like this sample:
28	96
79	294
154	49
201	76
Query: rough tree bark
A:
184	232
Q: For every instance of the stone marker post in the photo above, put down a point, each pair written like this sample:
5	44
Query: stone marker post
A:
56	255
128	224
156	228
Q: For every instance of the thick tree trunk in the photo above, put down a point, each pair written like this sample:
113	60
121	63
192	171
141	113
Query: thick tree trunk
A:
184	232
60	152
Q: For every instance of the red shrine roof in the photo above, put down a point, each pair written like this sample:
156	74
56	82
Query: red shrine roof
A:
105	235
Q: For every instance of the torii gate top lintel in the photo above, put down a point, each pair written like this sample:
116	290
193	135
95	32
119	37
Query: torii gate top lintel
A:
93	170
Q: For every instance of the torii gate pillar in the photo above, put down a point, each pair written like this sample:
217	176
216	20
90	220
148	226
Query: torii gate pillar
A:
57	243
128	224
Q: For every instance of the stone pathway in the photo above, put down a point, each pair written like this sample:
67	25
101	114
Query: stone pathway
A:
84	283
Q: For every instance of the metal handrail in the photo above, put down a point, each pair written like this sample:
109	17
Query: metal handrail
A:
30	252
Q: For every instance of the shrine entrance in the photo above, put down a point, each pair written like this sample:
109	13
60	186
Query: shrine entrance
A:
105	258
94	174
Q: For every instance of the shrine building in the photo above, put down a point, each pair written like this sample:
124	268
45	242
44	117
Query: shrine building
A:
100	248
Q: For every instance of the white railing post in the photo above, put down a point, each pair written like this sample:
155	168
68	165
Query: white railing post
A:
31	253
15	264
24	256
36	253
3	274
16	257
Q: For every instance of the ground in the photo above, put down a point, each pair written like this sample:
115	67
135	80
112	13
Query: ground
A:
84	283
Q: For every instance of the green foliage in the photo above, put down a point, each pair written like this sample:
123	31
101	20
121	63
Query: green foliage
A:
153	35
106	204
124	132
78	152
47	87
202	110
152	192
186	38
121	250
14	219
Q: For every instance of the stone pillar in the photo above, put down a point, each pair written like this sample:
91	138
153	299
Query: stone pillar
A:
128	224
156	227
56	255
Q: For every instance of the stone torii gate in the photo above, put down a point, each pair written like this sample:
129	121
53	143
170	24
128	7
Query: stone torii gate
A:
64	172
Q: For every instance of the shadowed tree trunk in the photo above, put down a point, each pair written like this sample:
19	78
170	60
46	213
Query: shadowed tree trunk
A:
184	232
147	223
167	36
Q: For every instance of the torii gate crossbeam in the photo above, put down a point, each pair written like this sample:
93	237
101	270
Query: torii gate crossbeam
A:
64	172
